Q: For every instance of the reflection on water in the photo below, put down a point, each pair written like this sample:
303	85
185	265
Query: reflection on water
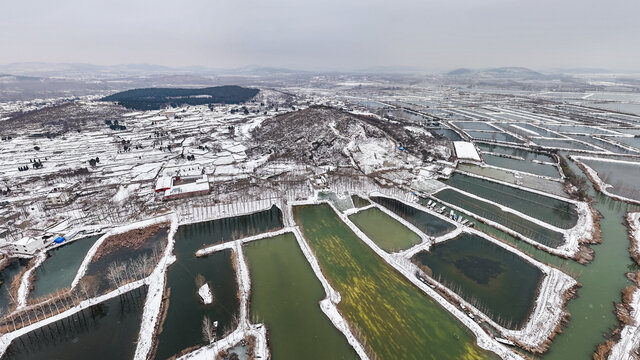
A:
104	331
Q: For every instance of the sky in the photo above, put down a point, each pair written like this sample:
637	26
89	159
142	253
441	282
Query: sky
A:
346	35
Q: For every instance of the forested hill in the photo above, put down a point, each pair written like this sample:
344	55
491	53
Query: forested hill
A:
158	98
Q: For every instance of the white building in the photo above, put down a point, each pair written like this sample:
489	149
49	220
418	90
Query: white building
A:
26	246
181	188
58	198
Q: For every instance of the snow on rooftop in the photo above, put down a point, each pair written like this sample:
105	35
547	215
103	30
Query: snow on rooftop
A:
466	150
197	186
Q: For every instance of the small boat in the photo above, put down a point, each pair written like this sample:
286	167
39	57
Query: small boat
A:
505	341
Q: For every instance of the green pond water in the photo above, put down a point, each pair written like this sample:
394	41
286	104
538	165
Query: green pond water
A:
474	125
425	222
520	165
622	176
494	280
506	150
396	320
556	212
98	269
530	181
602	280
359	202
182	327
7	275
447	133
491	212
497	136
388	233
61	266
284	295
563	144
105	331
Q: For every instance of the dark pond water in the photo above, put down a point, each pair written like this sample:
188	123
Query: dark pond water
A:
425	222
6	278
182	327
97	270
496	281
359	202
491	212
105	331
550	210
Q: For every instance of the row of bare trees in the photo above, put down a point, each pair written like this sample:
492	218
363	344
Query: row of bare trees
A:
48	305
119	273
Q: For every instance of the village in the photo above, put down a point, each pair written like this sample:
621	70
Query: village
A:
135	203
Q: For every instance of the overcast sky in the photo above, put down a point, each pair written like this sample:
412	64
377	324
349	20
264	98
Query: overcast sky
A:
325	34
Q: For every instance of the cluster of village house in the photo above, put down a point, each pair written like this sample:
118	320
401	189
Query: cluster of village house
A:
184	183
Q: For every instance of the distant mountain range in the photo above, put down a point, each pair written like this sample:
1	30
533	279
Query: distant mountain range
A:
497	72
79	70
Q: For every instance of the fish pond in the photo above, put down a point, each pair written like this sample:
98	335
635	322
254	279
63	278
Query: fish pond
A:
513	151
284	296
521	165
425	222
388	233
359	202
13	268
113	254
105	331
61	266
553	211
496	136
498	282
491	212
390	315
181	328
447	133
622	176
522	179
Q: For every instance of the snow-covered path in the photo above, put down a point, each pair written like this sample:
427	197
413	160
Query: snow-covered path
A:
25	282
154	296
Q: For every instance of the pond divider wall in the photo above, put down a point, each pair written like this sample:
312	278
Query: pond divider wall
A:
546	318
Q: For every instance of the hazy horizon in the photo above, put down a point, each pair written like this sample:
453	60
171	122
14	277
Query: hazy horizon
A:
427	36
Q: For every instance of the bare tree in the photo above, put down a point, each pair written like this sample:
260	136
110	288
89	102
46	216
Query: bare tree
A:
208	330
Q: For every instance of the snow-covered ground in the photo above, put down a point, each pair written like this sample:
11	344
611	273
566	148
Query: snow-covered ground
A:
154	295
628	346
205	294
466	150
25	282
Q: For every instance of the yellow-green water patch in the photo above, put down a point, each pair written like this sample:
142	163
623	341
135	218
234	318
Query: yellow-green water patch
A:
393	318
388	233
284	296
